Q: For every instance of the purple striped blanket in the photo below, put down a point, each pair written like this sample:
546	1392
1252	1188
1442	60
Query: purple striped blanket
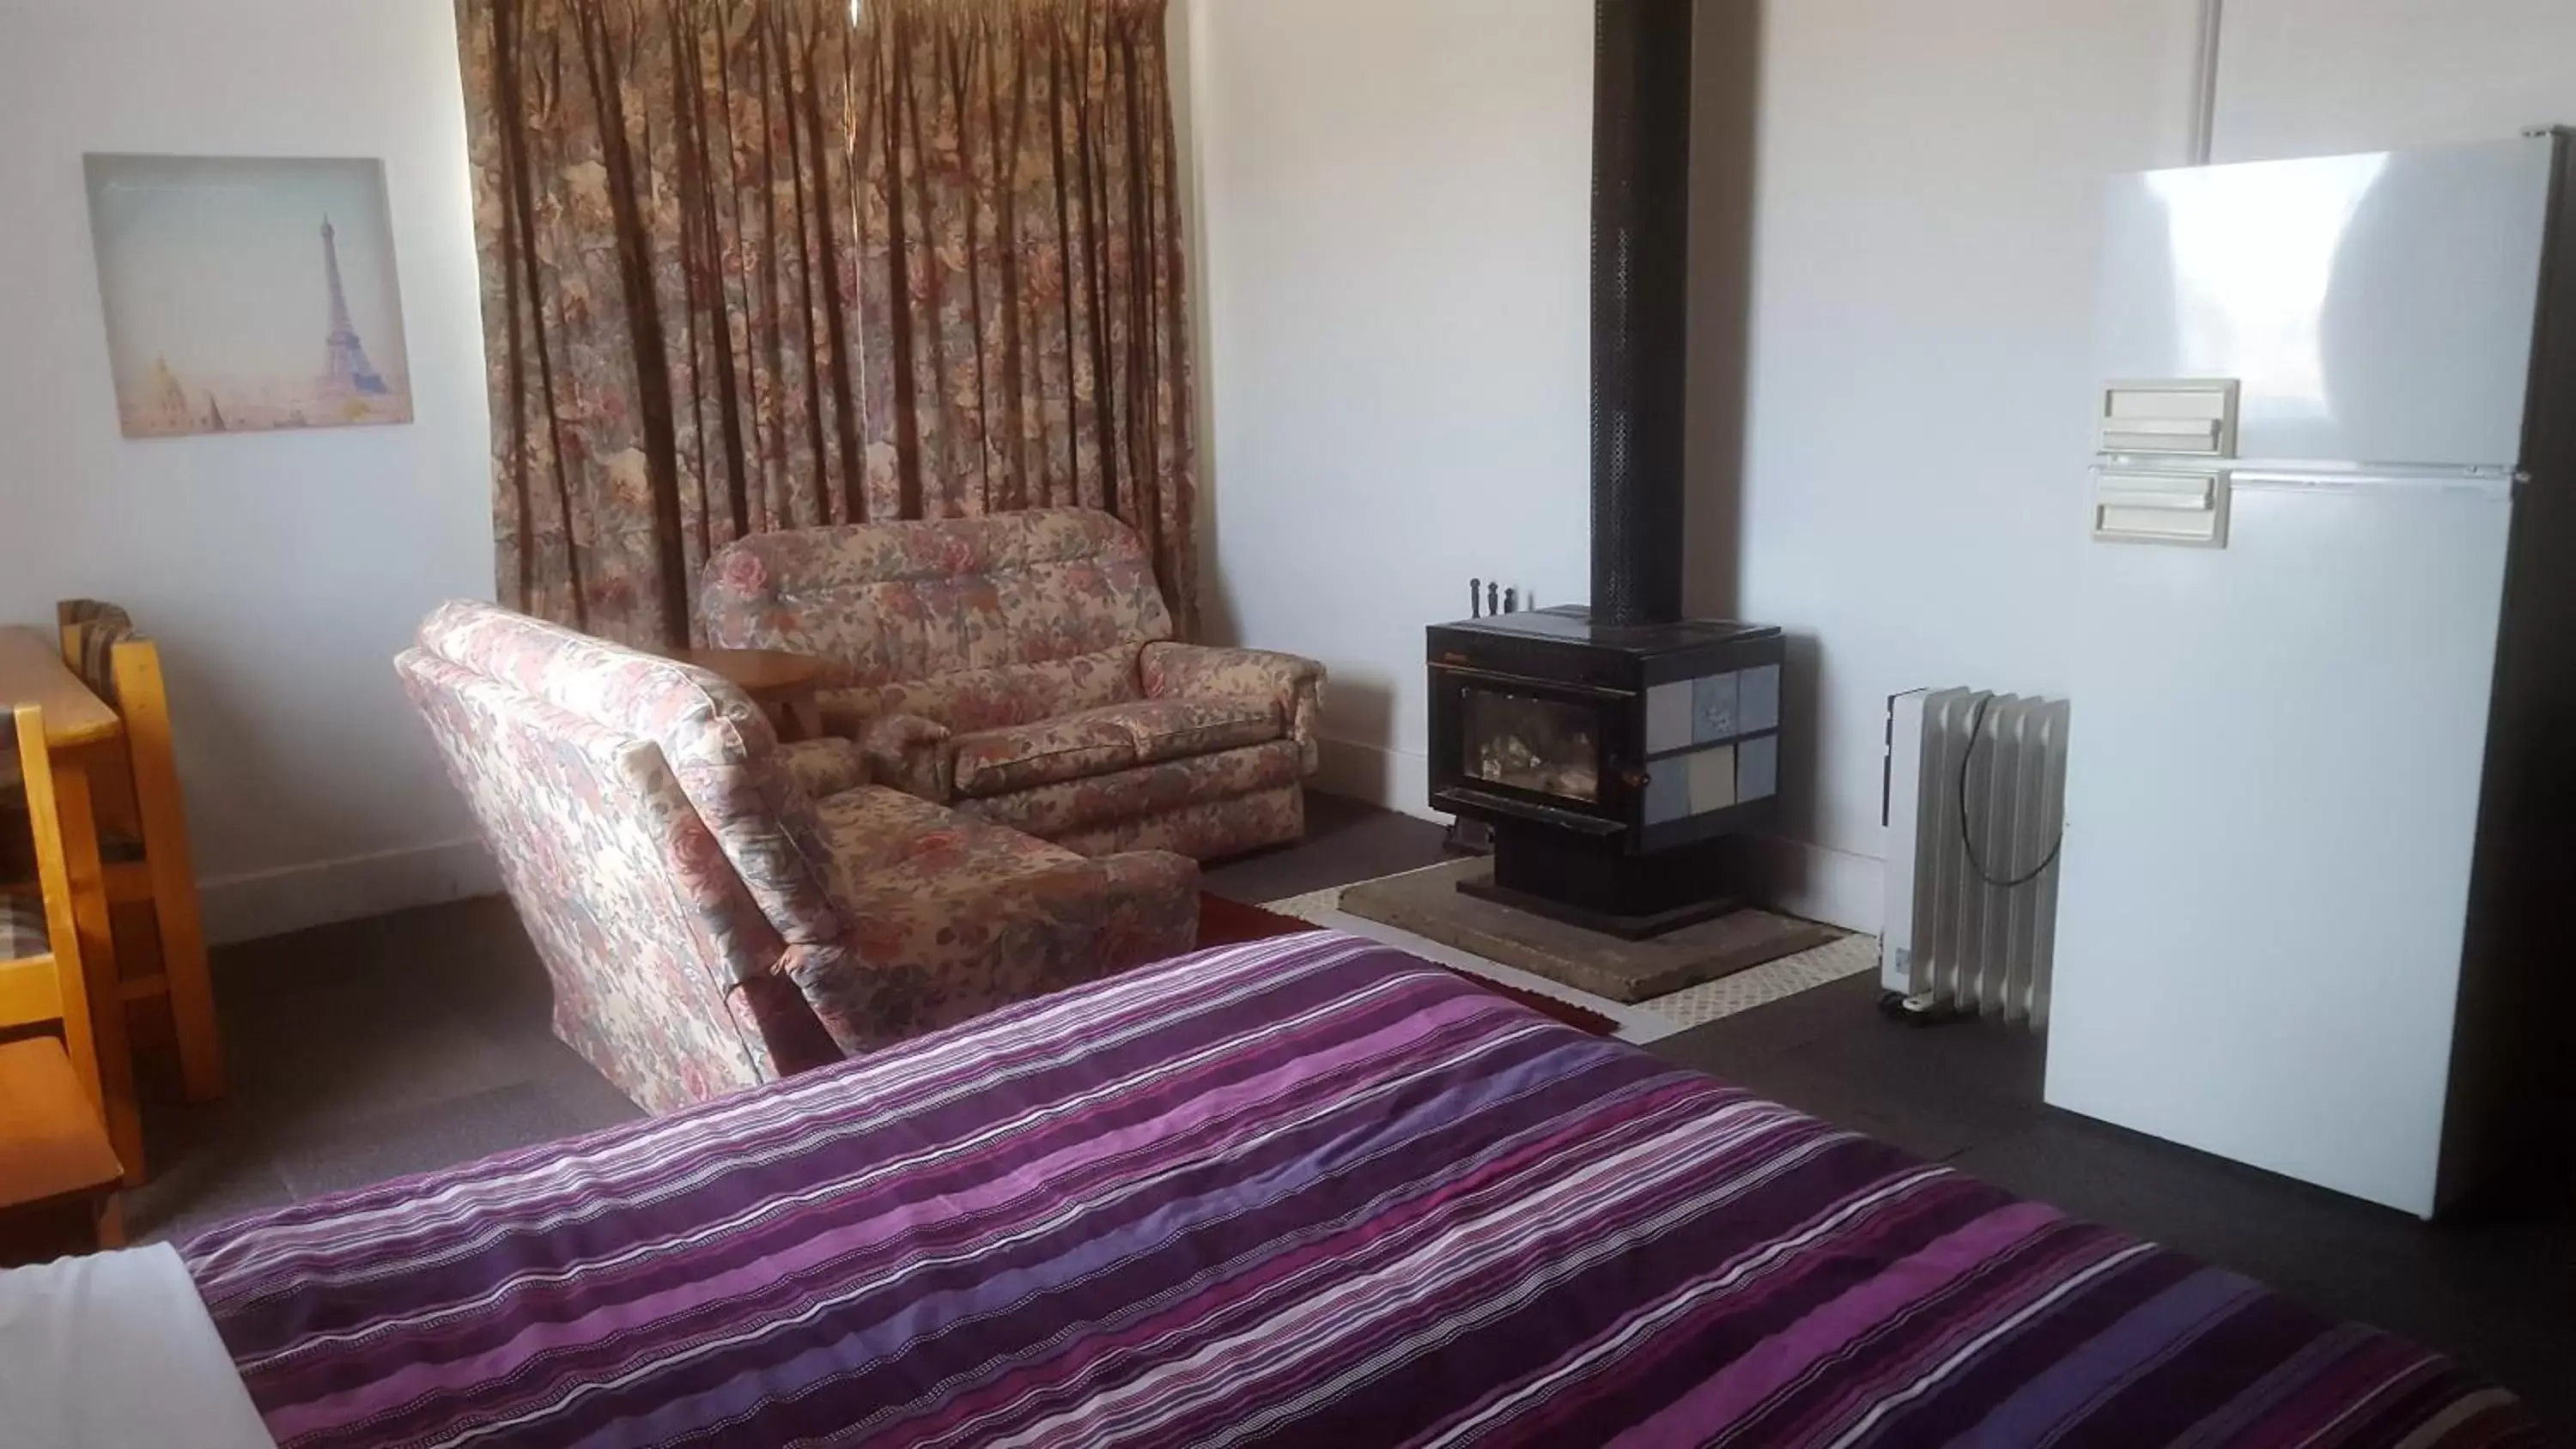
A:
1308	1191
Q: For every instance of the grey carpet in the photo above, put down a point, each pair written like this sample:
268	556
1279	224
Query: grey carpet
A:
415	1041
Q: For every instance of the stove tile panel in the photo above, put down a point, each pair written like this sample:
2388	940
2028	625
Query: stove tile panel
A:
1758	706
1712	779
1714	709
1668	717
1668	788
1757	768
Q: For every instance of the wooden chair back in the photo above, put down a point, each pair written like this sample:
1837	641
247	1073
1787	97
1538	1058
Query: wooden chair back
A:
50	988
123	668
71	613
92	631
142	803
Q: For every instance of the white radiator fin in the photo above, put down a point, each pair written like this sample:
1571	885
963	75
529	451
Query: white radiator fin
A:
1954	937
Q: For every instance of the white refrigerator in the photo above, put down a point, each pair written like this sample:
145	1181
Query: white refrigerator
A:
2315	824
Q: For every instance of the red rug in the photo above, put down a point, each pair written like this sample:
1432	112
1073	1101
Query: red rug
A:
1231	923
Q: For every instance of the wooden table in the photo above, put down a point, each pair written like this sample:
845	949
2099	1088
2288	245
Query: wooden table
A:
782	683
82	732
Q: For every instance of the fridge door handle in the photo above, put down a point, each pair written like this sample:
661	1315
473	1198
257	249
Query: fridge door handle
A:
2191	495
2162	507
2186	416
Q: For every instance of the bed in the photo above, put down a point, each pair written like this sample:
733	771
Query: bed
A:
1301	1191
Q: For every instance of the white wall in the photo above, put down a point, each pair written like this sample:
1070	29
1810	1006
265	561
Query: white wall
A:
1394	198
1923	297
1392	265
281	573
2316	77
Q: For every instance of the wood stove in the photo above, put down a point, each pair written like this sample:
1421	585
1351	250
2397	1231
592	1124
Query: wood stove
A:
1614	749
1611	761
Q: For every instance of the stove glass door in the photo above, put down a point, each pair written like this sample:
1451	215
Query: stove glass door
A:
1543	746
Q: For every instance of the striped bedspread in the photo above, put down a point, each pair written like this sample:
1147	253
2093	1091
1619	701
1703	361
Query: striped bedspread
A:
1305	1191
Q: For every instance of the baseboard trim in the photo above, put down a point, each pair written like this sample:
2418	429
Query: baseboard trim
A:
1397	780
296	898
1824	884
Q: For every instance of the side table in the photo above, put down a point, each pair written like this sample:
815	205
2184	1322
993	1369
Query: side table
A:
780	682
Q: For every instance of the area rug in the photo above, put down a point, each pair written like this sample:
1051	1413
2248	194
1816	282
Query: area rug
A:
1849	955
1435	903
1225	922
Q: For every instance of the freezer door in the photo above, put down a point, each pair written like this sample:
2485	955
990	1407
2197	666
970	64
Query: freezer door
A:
2271	797
2375	308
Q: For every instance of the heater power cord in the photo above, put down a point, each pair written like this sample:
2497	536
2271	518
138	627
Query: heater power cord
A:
1967	757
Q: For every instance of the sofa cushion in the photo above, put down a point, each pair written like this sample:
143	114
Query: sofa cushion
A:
971	700
883	845
1104	741
1202	829
96	630
18	839
951	916
824	767
1176	729
1046	753
22	928
1078	807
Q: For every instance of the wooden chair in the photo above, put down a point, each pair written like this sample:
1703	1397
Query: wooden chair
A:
54	1146
145	833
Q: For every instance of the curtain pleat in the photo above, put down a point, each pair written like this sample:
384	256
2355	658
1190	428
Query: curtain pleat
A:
755	264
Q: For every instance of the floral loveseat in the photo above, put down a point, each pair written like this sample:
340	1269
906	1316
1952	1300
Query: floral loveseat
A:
717	909
1020	667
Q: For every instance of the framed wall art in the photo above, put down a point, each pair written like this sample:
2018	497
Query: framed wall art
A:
247	294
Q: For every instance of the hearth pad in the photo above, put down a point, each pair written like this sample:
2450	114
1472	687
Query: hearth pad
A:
1429	903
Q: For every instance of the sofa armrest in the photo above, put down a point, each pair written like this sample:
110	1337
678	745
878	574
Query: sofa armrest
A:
825	767
1293	682
908	753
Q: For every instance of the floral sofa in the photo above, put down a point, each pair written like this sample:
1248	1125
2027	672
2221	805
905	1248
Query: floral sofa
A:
1020	668
717	909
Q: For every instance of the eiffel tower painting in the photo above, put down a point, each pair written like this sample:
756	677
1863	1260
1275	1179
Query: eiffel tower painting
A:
346	372
216	299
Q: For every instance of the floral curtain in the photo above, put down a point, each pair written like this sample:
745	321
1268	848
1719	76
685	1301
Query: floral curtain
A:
763	264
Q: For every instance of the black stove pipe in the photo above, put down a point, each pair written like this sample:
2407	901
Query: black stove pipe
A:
1641	117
